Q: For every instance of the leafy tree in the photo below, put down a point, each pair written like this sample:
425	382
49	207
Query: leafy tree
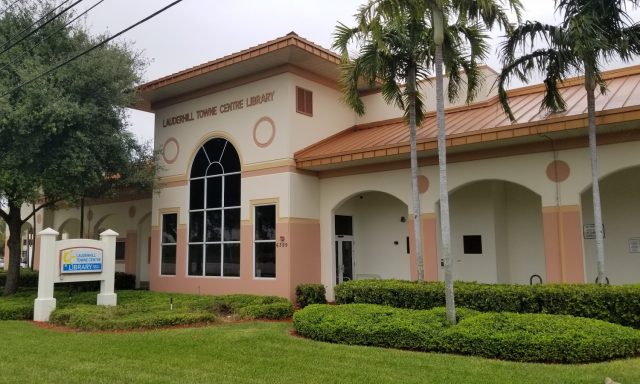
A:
592	32
396	44
63	137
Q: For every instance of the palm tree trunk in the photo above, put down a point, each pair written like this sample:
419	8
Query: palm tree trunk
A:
597	210
445	228
415	196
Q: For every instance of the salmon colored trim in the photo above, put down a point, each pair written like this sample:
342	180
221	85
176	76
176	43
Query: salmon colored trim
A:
298	220
36	253
180	181
164	146
430	246
277	170
290	39
209	90
562	232
131	247
522	149
412	246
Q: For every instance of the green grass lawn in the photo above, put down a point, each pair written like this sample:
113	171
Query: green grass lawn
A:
255	352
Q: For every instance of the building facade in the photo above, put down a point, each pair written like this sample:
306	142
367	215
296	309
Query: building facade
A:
268	180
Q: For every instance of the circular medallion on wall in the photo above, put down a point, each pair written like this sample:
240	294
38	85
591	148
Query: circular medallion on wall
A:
423	184
264	131
558	171
170	150
132	211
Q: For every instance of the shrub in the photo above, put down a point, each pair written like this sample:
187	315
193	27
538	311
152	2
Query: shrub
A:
375	325
124	317
273	311
29	279
231	304
17	307
615	304
310	294
541	338
508	336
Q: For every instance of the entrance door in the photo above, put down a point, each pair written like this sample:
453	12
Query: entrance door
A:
344	258
344	248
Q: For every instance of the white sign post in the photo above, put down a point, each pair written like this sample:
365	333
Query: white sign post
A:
74	260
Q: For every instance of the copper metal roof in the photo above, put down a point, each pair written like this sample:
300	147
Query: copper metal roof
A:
482	122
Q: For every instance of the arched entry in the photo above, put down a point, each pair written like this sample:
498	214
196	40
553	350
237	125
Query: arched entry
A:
370	238
619	196
69	229
496	233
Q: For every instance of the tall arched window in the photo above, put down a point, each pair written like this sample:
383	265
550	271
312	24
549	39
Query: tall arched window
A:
214	211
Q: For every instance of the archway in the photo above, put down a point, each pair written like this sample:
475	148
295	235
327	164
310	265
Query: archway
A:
370	238
496	233
69	229
619	194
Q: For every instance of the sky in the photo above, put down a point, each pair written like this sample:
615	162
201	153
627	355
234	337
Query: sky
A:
196	31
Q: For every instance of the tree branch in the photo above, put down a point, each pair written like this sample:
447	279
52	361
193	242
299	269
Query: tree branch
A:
47	204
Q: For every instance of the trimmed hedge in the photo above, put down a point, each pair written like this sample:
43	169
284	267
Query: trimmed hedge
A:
615	304
273	311
232	304
508	336
307	294
29	279
124	317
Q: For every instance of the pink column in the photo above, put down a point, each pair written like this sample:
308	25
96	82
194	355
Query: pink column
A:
562	229
131	247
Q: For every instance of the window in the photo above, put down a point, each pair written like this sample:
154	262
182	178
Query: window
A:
214	211
168	244
120	250
264	244
472	244
304	101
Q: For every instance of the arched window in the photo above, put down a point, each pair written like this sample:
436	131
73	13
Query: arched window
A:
214	211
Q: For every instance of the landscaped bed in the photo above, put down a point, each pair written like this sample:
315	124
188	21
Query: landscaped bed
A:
508	336
144	309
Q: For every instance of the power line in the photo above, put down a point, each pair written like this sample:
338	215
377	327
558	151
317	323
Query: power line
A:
9	7
40	26
86	51
27	51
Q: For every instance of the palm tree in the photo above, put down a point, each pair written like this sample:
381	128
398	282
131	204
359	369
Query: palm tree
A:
437	13
591	33
396	43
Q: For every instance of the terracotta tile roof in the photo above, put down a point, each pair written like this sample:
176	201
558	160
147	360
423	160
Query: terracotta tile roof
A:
483	122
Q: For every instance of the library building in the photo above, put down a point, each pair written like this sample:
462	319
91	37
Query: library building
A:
268	180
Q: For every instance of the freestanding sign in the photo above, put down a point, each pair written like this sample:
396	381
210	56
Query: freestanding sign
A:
74	260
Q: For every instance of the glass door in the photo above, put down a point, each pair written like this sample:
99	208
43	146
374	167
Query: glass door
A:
344	258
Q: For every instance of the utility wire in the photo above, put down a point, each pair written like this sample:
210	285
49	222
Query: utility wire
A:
29	50
8	7
11	45
86	51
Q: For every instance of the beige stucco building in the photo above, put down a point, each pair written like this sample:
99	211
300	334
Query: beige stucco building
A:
268	180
